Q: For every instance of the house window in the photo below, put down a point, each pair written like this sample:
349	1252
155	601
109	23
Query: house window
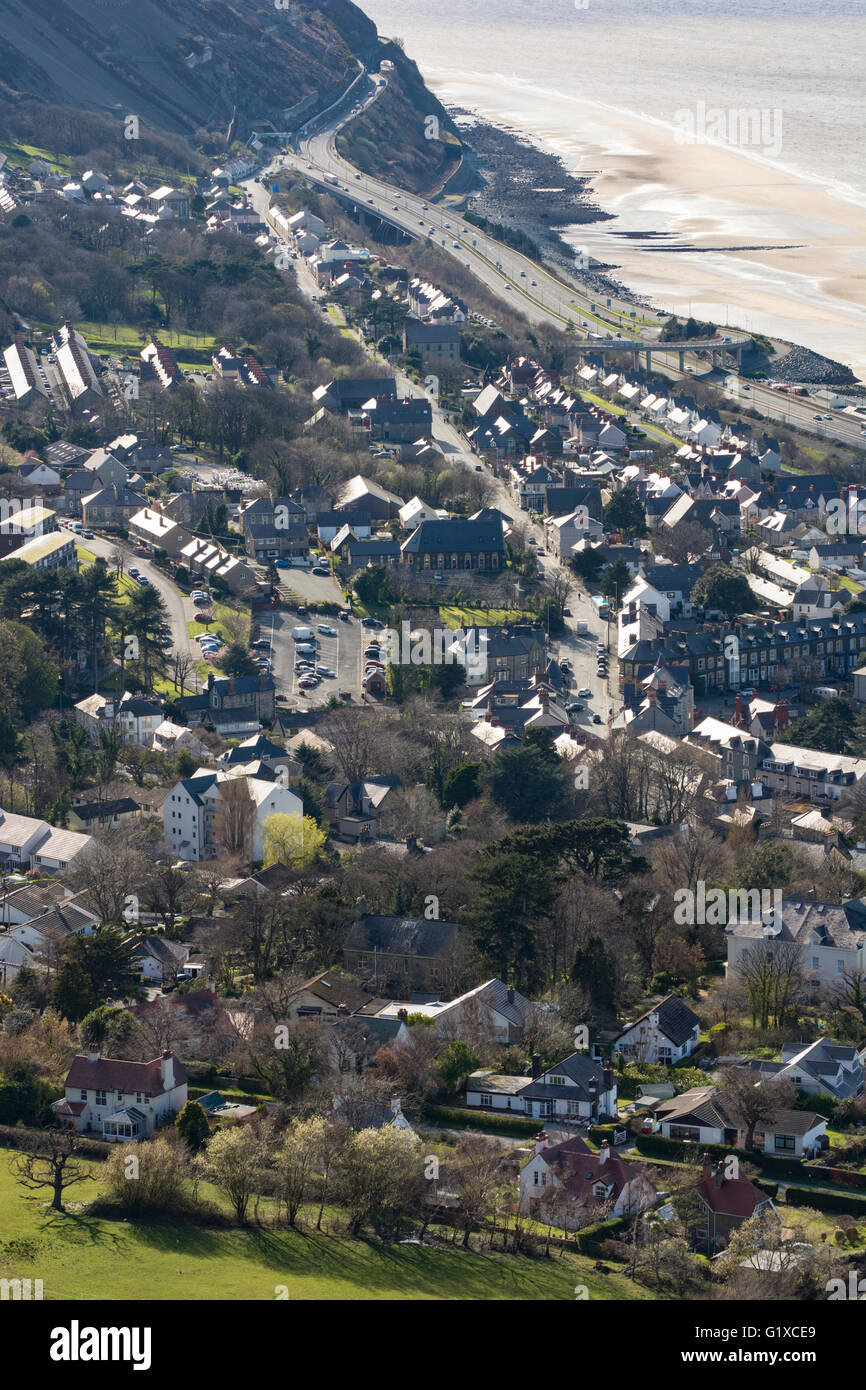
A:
535	1178
684	1132
573	1107
785	1141
83	1095
556	1080
486	1099
101	1098
139	1097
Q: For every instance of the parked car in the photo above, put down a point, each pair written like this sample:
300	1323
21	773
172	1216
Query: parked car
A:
596	719
574	708
307	683
283	564
585	693
370	622
326	630
321	571
262	645
133	572
143	579
344	616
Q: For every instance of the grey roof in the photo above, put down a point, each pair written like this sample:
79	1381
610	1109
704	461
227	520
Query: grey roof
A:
402	936
676	1020
456	536
841	927
706	1107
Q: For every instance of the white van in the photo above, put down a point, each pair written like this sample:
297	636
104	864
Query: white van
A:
825	692
302	634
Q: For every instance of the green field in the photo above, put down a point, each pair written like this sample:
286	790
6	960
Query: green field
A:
78	1257
454	615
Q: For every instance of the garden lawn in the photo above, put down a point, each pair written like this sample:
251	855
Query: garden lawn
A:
454	615
78	1257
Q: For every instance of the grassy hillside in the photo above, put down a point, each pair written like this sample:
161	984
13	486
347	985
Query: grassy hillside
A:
78	1257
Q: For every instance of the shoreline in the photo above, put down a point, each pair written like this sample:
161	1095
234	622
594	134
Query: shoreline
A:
732	240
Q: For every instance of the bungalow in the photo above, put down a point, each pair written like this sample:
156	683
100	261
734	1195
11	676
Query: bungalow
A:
122	1100
818	1068
161	961
704	1116
576	1090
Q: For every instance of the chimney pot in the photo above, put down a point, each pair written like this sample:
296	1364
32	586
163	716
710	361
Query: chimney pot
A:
536	1065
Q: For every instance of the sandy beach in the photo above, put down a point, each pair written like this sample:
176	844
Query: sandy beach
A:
799	268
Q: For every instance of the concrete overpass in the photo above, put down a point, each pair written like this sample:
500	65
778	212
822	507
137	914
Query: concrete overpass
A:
719	347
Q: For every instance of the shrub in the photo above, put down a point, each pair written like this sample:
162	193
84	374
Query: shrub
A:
455	1117
826	1201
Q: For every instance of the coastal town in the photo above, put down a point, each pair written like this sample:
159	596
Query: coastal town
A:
432	752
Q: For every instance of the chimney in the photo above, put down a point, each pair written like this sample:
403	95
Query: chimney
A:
166	1067
782	714
511	994
396	1107
360	906
604	1152
592	1087
210	681
720	1173
93	1053
708	1166
536	1065
607	1078
342	1010
542	1141
403	1015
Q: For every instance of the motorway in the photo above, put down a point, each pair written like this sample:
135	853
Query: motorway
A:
535	292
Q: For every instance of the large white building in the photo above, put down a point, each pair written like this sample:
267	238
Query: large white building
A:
121	1100
830	939
191	811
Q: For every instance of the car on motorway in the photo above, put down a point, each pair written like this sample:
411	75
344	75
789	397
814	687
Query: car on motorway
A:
396	207
523	274
585	693
535	282
322	571
358	176
302	609
326	630
371	200
565	665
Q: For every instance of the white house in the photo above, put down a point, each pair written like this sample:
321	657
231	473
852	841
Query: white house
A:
494	1010
120	1100
578	1186
191	812
135	717
702	1116
576	1089
28	843
818	1068
831	939
161	961
666	1033
13	955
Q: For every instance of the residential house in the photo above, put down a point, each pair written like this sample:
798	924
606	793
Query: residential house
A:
119	1100
666	1033
352	808
830	939
28	843
819	1068
576	1090
103	815
726	1203
135	717
396	954
161	961
570	1185
55	551
235	705
704	1116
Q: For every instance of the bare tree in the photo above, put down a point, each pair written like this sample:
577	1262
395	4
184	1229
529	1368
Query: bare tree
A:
752	1103
235	818
50	1160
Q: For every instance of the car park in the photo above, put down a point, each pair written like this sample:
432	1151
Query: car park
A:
305	649
374	652
325	671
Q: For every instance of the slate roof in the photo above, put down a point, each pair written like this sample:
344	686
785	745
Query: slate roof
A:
456	536
676	1020
840	927
402	936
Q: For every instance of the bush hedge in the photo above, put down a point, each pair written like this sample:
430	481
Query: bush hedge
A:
590	1240
19	1137
771	1188
657	1144
462	1118
826	1201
